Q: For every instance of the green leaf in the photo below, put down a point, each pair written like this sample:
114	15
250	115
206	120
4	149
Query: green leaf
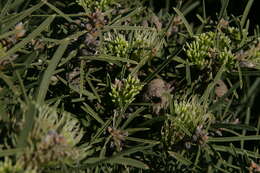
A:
101	130
246	12
132	116
162	65
46	78
185	22
234	126
223	11
28	125
109	59
233	139
180	158
9	152
85	92
5	9
59	12
123	27
128	162
92	113
141	140
238	151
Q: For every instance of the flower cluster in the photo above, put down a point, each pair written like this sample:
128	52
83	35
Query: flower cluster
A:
141	44
210	47
186	123
123	92
53	140
98	4
146	43
235	34
117	45
8	167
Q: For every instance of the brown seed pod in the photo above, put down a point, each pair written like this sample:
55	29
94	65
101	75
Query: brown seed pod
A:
221	88
156	93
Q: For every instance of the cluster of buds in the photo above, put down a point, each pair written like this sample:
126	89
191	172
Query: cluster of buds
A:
146	43
123	92
210	47
141	45
235	34
8	167
117	46
186	123
102	5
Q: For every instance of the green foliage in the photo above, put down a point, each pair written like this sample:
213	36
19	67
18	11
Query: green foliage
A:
128	86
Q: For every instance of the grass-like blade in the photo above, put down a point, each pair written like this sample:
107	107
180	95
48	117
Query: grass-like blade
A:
142	140
44	85
8	152
58	11
110	59
238	150
185	22
85	92
245	13
132	116
180	158
162	65
92	113
127	161
234	126
236	138
28	125
223	10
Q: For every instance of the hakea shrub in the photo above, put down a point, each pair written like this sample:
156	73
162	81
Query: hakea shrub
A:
53	140
187	124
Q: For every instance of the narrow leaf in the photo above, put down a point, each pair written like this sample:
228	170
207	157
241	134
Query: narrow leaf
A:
44	85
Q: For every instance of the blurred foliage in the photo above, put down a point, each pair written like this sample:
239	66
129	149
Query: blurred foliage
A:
129	86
